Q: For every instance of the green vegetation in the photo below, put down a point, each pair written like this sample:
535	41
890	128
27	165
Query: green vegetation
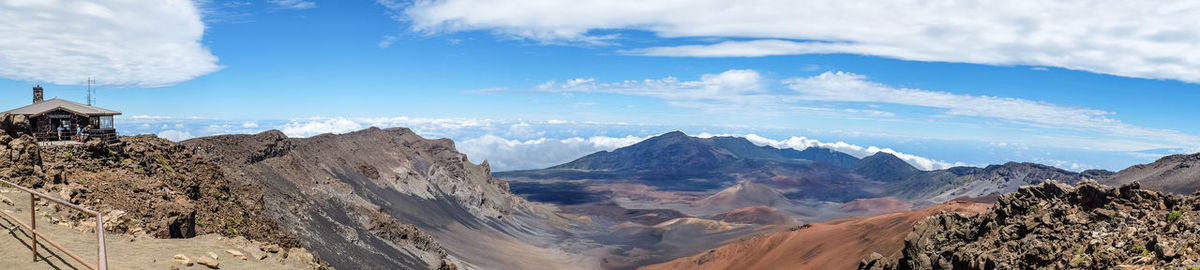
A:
1108	206
1174	215
1033	207
166	165
1077	261
1014	236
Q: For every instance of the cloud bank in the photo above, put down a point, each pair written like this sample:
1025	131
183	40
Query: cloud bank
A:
800	143
1158	40
739	90
505	154
506	145
149	43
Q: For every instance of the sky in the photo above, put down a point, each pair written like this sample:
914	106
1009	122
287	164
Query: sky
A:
533	83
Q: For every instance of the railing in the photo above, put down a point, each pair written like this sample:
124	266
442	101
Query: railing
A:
106	137
102	258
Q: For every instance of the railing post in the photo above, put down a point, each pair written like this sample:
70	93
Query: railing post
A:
33	224
102	264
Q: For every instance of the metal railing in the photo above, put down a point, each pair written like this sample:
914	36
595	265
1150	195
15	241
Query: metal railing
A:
106	137
101	261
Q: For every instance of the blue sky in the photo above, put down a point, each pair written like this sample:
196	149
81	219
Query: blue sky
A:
528	84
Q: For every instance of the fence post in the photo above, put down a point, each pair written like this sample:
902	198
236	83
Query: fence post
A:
33	224
103	263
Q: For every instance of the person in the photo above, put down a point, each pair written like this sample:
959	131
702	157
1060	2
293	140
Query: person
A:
78	133
86	129
60	128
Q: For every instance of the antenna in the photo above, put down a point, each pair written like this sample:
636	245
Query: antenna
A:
91	97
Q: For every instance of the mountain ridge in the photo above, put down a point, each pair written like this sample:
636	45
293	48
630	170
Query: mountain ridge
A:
390	197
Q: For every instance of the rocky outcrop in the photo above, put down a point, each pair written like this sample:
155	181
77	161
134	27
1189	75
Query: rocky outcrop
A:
391	198
149	185
20	158
1053	225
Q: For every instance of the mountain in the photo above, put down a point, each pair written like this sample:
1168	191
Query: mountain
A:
835	244
932	187
884	167
826	155
389	199
1179	174
676	161
742	195
676	152
1057	226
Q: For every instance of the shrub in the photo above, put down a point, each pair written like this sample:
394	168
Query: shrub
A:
1174	215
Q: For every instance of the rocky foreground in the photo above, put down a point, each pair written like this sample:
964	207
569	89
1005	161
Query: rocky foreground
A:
1053	225
144	186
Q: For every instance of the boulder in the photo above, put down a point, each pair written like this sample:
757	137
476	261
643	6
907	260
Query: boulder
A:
182	259
208	261
236	254
272	248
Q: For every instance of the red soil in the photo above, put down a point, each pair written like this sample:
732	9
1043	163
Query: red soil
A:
835	244
764	215
876	206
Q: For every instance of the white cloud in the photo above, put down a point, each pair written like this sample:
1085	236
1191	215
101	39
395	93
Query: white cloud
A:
250	124
736	88
849	87
175	135
293	4
147	43
305	127
1126	38
386	42
751	48
316	126
745	91
505	154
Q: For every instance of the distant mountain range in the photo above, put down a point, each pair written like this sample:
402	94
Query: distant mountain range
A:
677	153
680	162
676	161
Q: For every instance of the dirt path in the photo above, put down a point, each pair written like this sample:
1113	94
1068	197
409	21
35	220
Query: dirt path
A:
124	251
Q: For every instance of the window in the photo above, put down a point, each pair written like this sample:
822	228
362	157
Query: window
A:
106	122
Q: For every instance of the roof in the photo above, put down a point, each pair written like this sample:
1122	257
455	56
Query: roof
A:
55	104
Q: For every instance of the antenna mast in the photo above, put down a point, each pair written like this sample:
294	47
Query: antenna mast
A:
91	99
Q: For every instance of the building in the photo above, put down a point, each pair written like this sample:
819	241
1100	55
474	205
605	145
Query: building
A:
46	116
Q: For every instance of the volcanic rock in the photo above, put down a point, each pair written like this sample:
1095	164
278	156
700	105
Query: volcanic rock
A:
1053	225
